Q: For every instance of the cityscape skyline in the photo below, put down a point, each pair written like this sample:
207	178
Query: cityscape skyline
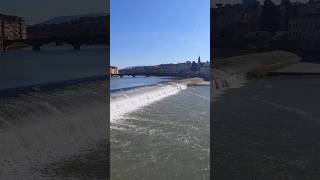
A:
180	61
169	34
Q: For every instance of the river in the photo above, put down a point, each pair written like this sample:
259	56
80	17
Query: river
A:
163	132
54	133
268	129
159	128
53	63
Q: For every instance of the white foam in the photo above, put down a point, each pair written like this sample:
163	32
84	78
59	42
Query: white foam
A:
124	102
39	128
227	82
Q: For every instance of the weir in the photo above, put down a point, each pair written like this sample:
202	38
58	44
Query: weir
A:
234	71
41	127
126	101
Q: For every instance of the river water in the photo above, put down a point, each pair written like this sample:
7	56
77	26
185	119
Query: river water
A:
53	63
268	129
159	128
164	132
130	82
56	133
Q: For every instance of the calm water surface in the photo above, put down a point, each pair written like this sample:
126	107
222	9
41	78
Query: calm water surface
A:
25	67
129	82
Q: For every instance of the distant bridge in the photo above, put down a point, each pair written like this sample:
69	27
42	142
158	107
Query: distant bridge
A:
141	74
36	43
133	74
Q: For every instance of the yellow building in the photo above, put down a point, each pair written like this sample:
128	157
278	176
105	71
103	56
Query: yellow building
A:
114	70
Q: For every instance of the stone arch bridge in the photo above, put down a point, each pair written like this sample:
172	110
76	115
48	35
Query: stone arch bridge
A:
36	43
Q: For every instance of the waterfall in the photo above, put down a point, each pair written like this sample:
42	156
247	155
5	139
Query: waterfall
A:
227	81
126	101
230	81
40	127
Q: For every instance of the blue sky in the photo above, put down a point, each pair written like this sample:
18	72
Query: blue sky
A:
150	32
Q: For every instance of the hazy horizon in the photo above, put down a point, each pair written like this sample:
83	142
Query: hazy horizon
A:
37	11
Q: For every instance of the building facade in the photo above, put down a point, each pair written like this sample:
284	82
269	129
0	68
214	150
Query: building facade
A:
168	69
182	68
12	27
114	70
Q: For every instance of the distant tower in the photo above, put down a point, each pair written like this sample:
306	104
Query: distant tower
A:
199	63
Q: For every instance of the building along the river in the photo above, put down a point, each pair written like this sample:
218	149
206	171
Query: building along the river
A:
114	70
12	28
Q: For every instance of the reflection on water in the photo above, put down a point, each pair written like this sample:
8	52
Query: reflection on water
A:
25	67
129	82
168	139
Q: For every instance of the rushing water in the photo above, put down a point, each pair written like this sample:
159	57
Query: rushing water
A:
54	133
162	132
159	129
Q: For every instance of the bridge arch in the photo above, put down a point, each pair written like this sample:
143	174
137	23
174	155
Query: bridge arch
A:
34	44
75	42
6	46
